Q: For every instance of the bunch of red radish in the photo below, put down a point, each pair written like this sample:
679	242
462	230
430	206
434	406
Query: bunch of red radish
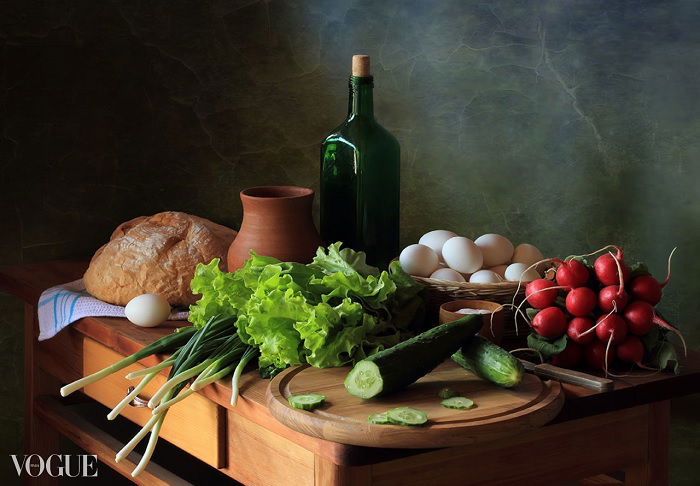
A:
603	318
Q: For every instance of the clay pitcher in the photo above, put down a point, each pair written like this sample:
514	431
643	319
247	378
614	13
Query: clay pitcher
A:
277	222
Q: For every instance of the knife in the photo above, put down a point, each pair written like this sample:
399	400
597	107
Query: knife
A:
571	377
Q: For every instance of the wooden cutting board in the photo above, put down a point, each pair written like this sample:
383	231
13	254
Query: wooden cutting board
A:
499	412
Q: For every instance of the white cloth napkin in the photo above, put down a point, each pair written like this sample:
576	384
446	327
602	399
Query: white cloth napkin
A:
66	303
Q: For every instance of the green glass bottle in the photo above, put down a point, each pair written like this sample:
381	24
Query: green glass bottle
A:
360	166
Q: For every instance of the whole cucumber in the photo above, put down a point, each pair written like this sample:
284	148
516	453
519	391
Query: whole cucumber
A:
489	362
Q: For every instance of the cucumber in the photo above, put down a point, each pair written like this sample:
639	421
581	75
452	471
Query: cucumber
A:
490	362
407	416
460	403
448	393
378	418
397	367
306	401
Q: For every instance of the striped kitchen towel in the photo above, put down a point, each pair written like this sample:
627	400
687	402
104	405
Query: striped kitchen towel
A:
66	303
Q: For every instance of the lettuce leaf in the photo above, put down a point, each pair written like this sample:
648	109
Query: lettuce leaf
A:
372	291
332	312
333	336
346	261
268	322
219	291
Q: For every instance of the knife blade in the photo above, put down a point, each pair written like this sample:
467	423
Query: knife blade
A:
572	377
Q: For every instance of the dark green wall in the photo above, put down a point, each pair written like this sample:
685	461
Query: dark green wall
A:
569	124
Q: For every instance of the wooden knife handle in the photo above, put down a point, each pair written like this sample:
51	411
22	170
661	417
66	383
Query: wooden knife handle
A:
572	377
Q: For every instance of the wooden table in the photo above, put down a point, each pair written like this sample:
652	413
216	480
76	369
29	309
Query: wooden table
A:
595	434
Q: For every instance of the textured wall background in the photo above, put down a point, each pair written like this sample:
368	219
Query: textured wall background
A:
569	124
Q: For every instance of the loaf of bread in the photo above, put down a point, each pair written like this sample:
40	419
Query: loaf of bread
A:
156	255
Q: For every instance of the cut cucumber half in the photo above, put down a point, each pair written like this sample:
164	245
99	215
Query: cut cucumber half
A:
407	416
364	380
306	401
378	418
395	368
448	393
460	403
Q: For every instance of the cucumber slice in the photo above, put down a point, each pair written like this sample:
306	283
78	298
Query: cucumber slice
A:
378	418
448	393
364	380
407	416
460	403
306	401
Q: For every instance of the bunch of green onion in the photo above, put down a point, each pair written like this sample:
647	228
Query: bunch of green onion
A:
201	356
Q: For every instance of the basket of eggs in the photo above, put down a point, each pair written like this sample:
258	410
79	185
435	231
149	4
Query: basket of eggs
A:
488	268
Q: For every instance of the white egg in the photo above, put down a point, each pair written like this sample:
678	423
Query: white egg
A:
462	254
447	274
499	269
147	310
485	277
436	239
496	249
527	254
517	271
418	260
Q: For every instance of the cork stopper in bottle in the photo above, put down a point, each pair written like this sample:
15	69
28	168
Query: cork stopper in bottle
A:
360	65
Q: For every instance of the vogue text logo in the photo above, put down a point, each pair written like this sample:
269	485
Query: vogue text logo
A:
57	465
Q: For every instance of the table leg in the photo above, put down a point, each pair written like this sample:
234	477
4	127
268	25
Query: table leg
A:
659	425
39	438
654	471
327	473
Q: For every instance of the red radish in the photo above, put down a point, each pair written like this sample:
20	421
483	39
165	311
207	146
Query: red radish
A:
572	273
647	288
580	301
570	357
595	355
614	297
542	298
640	317
631	350
610	294
606	268
550	322
578	326
611	325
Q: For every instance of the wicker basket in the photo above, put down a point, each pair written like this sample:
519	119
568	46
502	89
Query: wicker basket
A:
442	291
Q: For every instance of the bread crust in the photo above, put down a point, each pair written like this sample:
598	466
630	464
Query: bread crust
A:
156	255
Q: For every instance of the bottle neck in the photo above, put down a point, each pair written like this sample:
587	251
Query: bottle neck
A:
361	103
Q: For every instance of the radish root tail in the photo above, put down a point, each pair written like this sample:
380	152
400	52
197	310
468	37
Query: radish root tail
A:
606	247
520	280
649	368
500	307
637	375
621	288
601	320
515	316
668	268
660	322
607	350
537	292
533	350
621	277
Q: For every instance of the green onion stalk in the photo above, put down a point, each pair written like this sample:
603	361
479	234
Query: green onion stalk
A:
250	353
163	345
200	355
